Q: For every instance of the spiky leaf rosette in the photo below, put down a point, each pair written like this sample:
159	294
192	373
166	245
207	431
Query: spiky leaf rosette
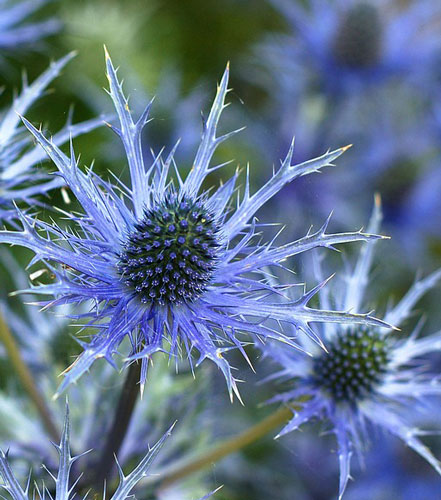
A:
368	378
171	266
20	181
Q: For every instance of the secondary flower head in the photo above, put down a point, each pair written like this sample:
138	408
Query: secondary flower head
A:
353	44
368	377
169	265
19	179
17	31
64	487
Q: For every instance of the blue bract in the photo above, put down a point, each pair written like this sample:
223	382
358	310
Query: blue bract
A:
65	487
17	31
19	178
368	376
168	265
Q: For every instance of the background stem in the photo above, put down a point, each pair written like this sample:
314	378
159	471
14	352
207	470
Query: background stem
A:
27	379
121	420
186	467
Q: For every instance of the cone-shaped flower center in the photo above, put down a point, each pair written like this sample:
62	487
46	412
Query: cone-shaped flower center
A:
359	35
170	257
354	365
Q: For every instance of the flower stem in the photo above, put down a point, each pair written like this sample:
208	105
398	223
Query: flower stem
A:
120	424
27	379
186	467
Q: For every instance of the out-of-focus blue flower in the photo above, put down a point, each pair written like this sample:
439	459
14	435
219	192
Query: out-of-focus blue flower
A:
351	72
64	486
20	181
16	31
368	378
170	265
423	198
349	45
397	477
425	203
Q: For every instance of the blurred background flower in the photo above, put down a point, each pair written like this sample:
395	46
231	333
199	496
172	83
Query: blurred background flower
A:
360	72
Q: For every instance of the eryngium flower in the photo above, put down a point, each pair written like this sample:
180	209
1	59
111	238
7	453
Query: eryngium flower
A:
368	377
166	264
65	488
16	31
19	180
352	44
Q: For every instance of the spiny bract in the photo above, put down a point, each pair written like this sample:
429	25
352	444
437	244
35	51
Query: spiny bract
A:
165	264
20	181
64	486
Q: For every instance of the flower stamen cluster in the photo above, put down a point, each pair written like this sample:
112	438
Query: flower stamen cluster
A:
354	366
171	255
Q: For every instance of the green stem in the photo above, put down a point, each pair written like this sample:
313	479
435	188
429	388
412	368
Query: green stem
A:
27	379
186	467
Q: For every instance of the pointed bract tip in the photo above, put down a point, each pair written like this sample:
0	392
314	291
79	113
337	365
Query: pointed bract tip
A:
377	199
106	52
227	68
345	148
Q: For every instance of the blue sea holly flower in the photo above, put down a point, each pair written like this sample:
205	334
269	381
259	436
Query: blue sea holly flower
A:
20	181
368	378
352	44
17	31
64	487
168	265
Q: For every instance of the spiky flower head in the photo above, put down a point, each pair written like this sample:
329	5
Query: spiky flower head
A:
368	377
17	31
20	181
65	488
171	266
